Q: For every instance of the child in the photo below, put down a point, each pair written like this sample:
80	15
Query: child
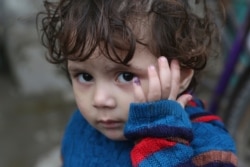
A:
131	64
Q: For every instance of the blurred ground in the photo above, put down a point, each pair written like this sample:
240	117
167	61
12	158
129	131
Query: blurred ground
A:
31	127
33	113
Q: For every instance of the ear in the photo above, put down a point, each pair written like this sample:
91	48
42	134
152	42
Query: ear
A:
186	77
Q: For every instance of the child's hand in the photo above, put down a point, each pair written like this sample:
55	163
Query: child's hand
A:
164	84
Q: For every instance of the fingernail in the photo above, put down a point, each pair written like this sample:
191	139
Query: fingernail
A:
136	81
163	59
151	67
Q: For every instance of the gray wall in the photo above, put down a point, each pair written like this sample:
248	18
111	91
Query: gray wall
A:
29	69
35	98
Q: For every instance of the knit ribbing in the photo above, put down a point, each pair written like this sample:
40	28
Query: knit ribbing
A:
164	118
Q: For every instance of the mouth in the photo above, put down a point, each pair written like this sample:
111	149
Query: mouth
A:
110	124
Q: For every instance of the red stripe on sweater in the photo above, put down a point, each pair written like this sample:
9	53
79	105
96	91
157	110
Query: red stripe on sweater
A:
192	103
148	146
207	118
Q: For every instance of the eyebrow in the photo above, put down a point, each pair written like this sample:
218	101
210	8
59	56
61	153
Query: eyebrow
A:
139	69
75	67
124	67
108	68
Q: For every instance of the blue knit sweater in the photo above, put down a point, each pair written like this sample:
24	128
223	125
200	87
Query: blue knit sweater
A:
159	133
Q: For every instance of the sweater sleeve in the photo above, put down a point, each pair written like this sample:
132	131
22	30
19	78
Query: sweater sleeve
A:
163	133
212	144
167	135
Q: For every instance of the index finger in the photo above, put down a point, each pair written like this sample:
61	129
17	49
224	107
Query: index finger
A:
175	80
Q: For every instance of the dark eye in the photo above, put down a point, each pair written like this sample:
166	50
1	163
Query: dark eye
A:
84	77
125	77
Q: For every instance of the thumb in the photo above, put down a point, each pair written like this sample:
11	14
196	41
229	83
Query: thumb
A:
184	99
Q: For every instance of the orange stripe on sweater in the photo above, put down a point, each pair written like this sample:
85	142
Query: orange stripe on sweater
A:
215	156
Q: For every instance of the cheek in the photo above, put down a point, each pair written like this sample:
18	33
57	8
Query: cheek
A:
80	101
124	99
81	98
84	106
123	109
144	85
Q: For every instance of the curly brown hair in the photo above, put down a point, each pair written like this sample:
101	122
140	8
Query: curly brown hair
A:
73	29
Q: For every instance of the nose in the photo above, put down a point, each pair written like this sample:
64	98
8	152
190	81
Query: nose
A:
103	97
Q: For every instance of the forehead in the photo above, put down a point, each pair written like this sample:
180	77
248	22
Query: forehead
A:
142	59
142	53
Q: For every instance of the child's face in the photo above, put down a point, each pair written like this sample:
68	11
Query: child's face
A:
104	90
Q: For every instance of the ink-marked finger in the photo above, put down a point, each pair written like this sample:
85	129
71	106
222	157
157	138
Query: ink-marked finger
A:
175	80
165	77
138	91
154	88
184	99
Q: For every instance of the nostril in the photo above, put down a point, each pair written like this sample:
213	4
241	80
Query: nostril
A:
104	99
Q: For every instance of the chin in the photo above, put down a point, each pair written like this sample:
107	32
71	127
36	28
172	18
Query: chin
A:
115	137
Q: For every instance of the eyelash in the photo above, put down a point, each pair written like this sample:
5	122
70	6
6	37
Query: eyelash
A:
127	77
82	76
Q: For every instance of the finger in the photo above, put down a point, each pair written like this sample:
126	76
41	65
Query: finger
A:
165	77
184	99
175	80
138	91
154	88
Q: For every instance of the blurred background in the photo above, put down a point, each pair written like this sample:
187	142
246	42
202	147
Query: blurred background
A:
36	99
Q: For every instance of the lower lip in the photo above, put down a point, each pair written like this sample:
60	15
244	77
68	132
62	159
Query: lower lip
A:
110	124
